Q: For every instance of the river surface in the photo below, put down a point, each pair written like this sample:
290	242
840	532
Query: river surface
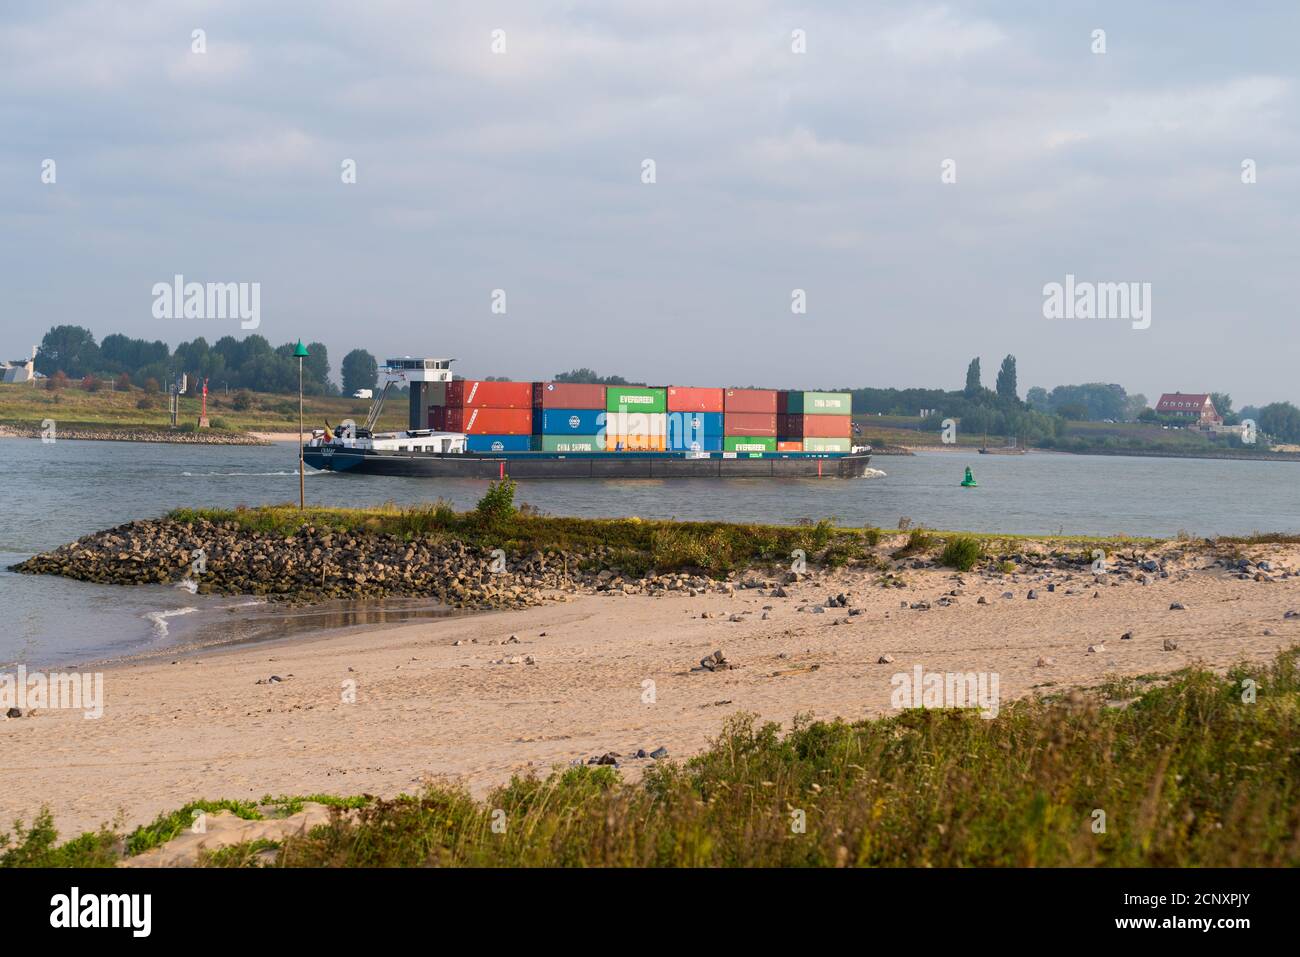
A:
54	493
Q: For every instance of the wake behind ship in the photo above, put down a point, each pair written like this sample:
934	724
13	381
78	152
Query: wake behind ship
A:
488	429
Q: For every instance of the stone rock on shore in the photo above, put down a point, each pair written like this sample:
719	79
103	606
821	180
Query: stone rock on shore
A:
310	564
318	564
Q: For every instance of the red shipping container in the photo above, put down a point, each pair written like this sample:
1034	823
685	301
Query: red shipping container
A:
685	399
568	395
478	421
788	446
438	418
749	400
473	393
749	423
816	426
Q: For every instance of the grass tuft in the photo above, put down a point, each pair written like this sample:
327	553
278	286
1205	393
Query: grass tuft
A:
918	542
962	552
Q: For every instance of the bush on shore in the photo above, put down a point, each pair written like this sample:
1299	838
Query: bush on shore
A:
918	542
961	552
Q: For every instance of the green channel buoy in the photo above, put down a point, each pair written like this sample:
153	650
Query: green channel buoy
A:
969	480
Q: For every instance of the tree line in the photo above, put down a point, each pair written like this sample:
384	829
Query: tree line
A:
249	363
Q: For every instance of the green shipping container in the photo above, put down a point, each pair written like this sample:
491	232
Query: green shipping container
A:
569	443
827	445
748	443
819	403
635	399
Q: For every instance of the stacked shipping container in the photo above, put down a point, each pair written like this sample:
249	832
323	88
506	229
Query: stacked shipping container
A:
574	417
495	416
815	422
749	420
695	419
636	419
568	417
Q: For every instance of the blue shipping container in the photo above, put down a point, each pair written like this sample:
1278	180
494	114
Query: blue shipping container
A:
568	421
498	443
694	431
702	423
707	443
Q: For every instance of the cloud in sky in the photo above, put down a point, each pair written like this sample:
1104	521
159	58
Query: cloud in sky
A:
775	171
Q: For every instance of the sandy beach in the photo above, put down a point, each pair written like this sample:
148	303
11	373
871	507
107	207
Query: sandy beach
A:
452	699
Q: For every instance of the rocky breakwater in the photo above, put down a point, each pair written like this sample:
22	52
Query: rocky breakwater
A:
313	564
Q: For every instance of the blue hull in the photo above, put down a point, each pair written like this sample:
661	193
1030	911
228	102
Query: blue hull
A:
599	465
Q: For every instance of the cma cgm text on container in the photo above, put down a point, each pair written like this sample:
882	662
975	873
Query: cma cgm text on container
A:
816	403
568	421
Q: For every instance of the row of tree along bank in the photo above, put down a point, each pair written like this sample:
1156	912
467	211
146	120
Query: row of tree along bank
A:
248	363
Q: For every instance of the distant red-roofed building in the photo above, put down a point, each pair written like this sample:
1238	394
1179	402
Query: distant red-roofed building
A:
1197	407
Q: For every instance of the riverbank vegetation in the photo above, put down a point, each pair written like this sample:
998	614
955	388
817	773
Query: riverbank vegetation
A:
114	406
1195	769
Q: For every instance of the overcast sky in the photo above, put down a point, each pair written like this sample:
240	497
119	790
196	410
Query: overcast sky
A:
775	171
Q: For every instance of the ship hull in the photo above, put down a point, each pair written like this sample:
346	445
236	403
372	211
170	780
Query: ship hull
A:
622	465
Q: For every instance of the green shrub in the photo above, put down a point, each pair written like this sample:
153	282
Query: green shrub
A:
962	552
38	846
918	541
498	502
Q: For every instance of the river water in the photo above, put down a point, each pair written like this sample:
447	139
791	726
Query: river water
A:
53	493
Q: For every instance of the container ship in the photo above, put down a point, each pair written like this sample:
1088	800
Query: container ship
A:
475	428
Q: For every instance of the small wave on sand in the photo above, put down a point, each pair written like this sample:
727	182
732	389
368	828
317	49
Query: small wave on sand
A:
159	619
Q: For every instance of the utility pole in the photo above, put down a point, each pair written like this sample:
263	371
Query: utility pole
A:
301	353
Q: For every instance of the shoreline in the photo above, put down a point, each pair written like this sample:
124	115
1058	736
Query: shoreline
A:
276	616
447	699
1115	453
129	433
